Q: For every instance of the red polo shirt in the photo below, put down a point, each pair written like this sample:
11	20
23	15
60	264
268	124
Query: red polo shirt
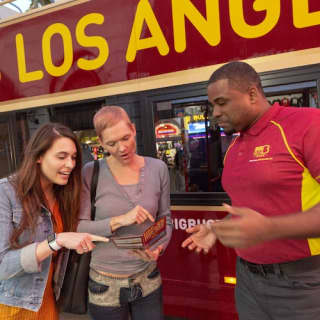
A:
274	168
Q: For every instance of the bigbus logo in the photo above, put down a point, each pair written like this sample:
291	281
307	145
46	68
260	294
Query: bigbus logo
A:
183	224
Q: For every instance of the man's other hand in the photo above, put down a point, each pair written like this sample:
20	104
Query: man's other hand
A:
202	238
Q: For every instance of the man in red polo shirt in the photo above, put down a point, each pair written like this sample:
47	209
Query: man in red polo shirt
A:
272	175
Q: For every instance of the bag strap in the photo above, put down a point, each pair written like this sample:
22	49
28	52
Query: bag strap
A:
93	188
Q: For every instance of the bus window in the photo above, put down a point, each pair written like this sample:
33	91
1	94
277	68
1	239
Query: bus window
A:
303	94
191	144
6	151
91	149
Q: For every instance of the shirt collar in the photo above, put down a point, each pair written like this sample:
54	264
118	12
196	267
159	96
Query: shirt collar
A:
263	122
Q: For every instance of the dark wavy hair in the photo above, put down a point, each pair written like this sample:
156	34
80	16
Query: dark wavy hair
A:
26	182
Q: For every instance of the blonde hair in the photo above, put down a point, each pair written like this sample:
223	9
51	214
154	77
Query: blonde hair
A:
109	116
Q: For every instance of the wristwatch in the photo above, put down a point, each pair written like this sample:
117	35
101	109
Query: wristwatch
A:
52	242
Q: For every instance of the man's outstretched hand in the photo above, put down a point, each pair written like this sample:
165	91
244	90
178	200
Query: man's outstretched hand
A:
201	239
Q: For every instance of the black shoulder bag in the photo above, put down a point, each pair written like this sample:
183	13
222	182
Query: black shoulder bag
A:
74	291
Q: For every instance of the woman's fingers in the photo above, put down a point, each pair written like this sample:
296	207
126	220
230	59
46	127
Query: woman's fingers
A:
142	215
81	242
84	246
140	218
87	245
147	215
94	237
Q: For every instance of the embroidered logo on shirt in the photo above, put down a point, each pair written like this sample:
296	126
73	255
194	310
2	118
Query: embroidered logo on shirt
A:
261	152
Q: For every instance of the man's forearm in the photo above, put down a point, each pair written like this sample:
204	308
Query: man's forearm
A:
299	225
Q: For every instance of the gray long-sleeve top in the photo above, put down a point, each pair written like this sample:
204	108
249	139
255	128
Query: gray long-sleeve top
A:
112	200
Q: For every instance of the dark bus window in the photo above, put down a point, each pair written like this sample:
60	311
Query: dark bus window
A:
192	146
303	94
91	149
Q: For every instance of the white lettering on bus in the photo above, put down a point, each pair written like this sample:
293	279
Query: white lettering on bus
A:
183	224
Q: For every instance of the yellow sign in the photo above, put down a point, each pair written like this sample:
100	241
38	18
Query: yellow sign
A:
194	118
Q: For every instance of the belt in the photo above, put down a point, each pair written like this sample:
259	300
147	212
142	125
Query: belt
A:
293	267
113	275
149	268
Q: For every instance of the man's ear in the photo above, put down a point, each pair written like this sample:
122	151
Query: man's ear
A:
39	160
253	94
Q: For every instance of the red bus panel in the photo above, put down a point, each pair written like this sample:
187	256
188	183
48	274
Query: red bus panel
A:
195	284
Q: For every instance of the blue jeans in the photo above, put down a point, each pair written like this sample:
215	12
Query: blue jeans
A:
141	308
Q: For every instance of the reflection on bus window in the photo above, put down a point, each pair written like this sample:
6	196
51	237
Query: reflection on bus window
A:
191	145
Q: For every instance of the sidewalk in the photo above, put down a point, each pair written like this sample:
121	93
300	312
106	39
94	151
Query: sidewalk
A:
69	316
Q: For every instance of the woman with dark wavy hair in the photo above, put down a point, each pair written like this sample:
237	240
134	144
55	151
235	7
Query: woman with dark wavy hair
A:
39	207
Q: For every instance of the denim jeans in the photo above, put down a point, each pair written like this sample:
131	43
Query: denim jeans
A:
140	308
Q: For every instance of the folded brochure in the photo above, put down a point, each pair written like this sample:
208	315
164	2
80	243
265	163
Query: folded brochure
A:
147	239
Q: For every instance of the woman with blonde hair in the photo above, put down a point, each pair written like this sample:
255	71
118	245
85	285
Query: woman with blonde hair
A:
132	192
38	204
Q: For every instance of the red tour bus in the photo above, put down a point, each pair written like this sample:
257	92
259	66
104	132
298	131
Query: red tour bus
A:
154	57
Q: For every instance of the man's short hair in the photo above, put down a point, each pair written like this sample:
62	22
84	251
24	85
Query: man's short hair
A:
239	74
